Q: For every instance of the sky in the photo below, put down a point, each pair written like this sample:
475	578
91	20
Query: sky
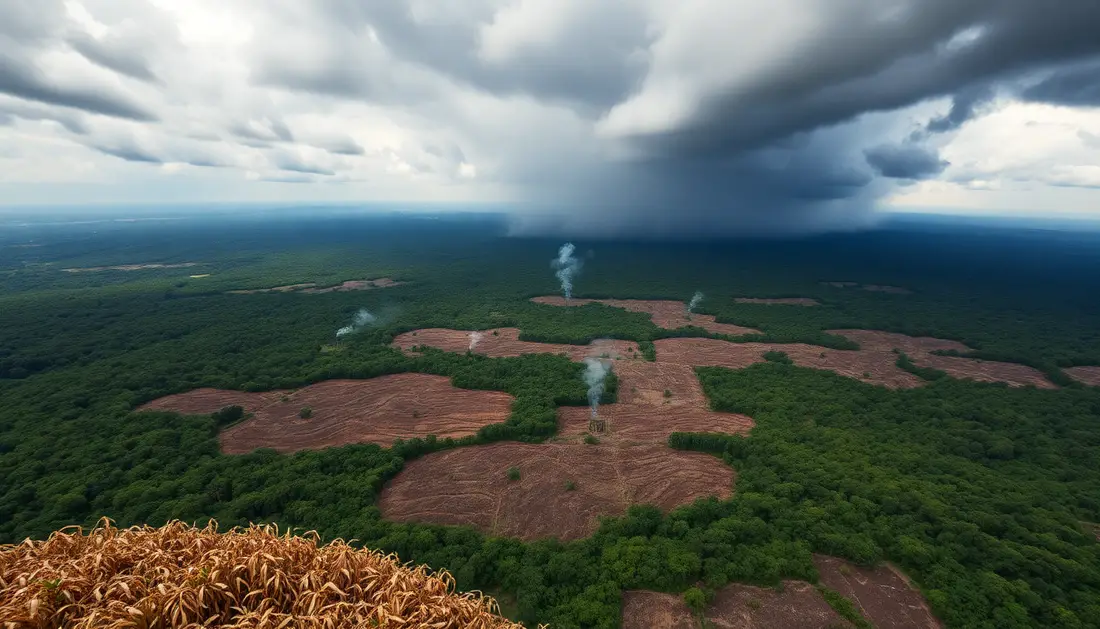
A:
618	116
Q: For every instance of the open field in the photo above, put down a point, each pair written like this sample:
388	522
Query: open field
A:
780	301
504	342
645	414
378	410
471	486
882	594
312	288
665	314
1085	375
797	604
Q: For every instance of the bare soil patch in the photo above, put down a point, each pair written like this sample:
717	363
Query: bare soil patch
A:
1085	375
130	267
871	366
781	301
797	604
470	486
920	348
378	410
665	314
504	342
883	594
313	289
646	414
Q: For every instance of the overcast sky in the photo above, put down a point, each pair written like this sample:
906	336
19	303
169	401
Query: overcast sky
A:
610	115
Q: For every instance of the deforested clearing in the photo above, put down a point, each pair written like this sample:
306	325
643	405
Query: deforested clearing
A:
378	410
665	313
796	604
471	486
882	594
182	576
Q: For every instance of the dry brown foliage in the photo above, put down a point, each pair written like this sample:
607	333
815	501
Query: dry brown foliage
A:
182	576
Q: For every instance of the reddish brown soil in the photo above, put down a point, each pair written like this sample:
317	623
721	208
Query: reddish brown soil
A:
919	350
665	314
311	287
378	410
470	486
645	415
783	301
879	366
504	342
883	595
1085	375
799	604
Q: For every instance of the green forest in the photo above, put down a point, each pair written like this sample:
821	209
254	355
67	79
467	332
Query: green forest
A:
982	493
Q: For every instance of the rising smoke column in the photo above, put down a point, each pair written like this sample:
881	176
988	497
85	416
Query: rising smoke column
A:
567	266
362	319
475	338
695	299
594	375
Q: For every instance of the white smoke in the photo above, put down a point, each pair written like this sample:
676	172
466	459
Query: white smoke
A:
595	373
475	338
567	266
695	299
362	319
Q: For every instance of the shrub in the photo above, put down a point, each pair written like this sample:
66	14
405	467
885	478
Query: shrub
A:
513	473
591	440
306	412
570	485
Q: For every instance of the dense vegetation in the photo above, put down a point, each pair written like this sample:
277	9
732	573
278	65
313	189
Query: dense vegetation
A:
980	491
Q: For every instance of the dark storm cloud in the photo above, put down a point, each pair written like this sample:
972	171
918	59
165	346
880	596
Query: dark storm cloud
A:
1077	86
113	58
20	79
964	106
905	161
883	67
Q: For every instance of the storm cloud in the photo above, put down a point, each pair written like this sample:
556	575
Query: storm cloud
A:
616	117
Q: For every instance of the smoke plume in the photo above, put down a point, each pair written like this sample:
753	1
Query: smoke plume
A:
567	266
475	338
362	319
595	373
695	299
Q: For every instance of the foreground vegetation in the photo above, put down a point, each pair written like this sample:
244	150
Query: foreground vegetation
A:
981	492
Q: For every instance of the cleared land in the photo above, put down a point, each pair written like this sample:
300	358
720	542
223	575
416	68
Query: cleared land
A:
779	301
504	342
875	362
312	288
378	410
871	366
883	595
130	267
1085	375
798	604
646	414
471	486
665	314
920	348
